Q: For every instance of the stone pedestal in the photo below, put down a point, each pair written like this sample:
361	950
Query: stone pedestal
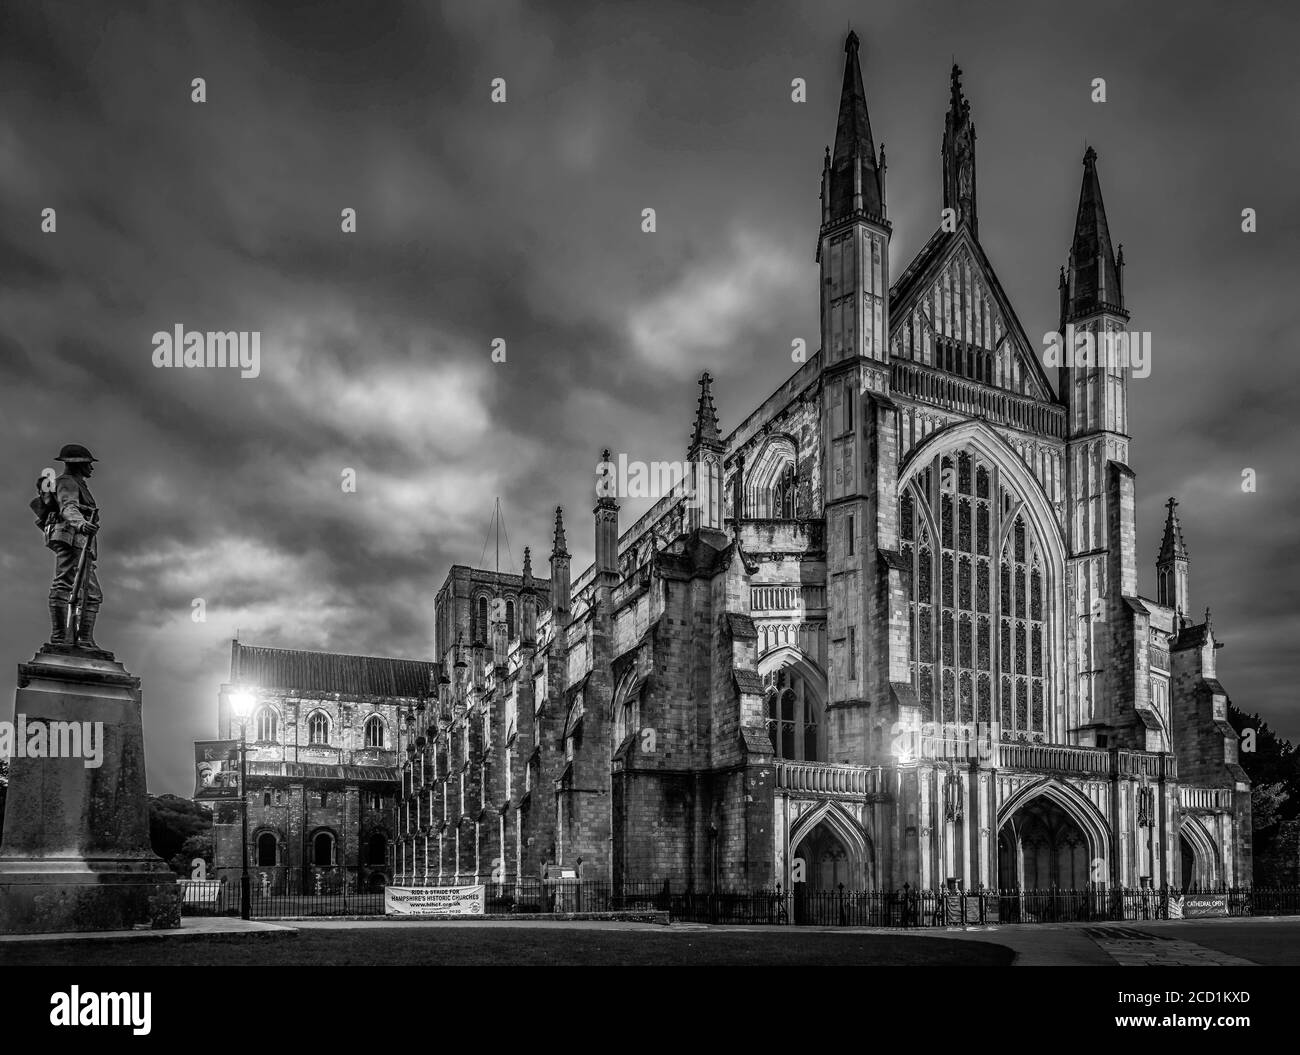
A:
75	854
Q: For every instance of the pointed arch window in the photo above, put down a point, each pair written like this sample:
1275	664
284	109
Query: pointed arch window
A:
794	717
374	731
266	724
783	495
771	487
978	600
318	728
481	623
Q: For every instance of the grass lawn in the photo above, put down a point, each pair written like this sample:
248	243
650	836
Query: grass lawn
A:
471	946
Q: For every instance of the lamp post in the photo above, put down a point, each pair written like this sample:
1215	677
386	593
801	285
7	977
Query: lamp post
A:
242	702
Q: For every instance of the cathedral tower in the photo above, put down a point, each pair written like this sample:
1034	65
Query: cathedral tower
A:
859	441
1093	384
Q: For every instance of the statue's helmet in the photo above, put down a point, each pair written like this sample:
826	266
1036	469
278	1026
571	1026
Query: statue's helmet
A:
75	452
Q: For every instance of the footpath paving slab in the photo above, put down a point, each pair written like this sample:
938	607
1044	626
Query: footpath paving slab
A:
1034	945
1272	941
1147	944
1159	951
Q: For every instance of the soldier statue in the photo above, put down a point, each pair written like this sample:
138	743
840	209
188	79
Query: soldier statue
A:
71	520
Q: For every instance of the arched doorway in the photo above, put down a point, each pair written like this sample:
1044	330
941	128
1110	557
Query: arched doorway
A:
1199	857
322	850
1052	856
826	863
1042	847
829	868
267	850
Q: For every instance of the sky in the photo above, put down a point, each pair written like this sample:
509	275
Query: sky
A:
521	220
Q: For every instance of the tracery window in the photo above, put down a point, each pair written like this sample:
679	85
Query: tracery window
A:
783	495
978	598
793	717
266	724
318	728
771	485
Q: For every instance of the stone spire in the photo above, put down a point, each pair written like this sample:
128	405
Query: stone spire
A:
705	506
1172	546
559	572
606	524
1094	275
959	156
528	603
558	546
706	420
851	182
1171	564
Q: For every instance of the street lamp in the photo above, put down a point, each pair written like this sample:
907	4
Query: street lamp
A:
242	702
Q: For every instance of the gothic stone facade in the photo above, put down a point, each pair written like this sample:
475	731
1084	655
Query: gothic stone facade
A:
896	636
322	767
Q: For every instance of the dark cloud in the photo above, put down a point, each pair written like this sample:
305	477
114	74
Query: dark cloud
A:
522	221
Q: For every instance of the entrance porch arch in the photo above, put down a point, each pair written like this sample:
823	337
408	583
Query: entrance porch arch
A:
1199	856
1051	835
828	836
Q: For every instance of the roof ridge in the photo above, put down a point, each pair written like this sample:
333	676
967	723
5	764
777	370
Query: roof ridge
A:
327	652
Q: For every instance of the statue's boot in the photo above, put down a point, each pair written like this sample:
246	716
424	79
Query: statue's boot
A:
86	628
58	623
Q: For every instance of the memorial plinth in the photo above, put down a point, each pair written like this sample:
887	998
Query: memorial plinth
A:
75	854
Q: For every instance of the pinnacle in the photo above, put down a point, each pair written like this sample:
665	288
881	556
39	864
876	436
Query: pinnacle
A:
706	417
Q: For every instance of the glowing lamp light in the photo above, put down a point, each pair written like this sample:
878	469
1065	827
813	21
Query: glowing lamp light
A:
242	702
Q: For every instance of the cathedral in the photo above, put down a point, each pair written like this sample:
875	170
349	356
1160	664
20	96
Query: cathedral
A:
888	632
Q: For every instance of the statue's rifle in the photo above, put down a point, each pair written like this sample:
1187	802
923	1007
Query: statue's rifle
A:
79	585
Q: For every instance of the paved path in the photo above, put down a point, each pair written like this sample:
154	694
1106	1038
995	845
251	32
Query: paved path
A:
1174	943
1135	948
191	927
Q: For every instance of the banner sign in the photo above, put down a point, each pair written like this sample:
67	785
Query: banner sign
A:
216	769
434	900
1199	906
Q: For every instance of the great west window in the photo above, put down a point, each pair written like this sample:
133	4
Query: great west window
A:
978	596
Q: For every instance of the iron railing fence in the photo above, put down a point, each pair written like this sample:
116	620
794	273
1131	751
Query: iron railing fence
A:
906	908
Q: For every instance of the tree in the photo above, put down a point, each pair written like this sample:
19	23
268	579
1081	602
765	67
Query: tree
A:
1274	769
179	831
195	846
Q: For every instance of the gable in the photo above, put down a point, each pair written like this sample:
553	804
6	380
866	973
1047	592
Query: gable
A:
949	311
